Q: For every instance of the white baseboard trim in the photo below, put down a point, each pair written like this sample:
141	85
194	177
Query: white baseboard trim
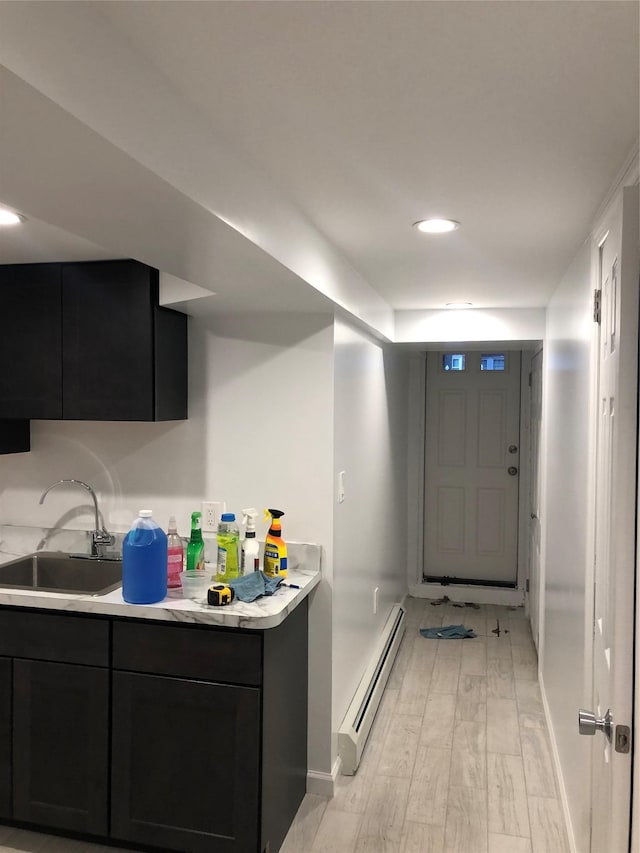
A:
476	594
323	784
558	768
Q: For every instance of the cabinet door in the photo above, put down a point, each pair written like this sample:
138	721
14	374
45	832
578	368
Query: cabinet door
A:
5	738
61	745
107	309
30	343
185	764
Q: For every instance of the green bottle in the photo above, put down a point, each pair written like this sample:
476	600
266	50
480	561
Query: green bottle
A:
195	548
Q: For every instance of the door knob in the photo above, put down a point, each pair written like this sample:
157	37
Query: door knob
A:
589	724
512	470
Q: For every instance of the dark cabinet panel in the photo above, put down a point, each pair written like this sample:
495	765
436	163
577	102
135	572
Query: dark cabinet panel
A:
15	436
30	343
54	637
61	745
284	708
5	737
188	652
111	338
185	764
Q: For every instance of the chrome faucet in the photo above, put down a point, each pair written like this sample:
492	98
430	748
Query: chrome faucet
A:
100	537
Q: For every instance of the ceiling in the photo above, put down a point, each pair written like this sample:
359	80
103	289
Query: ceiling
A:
358	118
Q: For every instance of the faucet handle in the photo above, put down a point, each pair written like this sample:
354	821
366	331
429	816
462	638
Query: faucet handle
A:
100	539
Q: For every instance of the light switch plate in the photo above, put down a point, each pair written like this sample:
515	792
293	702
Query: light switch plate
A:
341	486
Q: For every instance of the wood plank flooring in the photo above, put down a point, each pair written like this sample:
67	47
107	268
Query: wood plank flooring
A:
459	759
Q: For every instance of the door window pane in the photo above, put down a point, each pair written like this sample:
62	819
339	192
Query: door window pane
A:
453	361
492	361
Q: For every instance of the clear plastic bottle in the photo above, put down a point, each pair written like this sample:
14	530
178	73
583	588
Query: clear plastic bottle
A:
228	546
144	561
250	548
175	555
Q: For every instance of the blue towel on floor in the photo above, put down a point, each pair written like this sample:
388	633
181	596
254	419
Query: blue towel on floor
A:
255	585
448	632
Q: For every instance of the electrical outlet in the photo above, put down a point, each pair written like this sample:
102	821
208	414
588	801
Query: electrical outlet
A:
211	512
375	600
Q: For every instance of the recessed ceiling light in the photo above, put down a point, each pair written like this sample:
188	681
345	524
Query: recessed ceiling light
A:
8	217
458	304
436	226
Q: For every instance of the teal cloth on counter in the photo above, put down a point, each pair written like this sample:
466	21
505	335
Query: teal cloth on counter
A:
448	632
255	585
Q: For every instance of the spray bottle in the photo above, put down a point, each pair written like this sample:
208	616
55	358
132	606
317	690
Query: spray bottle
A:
275	548
195	548
250	548
175	554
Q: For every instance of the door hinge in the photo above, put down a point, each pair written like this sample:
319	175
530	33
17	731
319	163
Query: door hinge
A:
623	739
597	305
530	379
527	587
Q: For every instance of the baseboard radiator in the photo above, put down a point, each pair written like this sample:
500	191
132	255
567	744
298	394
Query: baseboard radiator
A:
359	718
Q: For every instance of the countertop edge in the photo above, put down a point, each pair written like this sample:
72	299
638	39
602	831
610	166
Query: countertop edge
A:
267	612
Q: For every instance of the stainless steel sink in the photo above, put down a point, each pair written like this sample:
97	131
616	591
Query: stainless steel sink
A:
51	571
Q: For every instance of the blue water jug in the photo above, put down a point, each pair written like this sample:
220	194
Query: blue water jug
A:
144	561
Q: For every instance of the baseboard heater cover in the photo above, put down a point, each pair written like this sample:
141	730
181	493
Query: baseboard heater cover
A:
361	713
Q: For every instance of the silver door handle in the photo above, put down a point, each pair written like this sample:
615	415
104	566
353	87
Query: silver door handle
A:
589	724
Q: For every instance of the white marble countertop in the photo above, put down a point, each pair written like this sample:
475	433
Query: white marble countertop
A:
265	612
261	614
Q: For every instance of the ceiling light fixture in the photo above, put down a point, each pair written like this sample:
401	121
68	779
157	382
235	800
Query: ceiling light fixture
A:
436	226
8	217
458	304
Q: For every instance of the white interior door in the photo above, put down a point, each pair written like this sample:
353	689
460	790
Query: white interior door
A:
472	466
535	428
615	526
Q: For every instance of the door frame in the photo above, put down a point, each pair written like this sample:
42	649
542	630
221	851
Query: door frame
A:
417	421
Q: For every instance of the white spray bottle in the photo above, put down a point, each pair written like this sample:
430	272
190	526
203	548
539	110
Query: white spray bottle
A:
250	546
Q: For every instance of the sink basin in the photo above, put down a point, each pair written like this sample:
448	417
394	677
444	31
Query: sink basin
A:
57	572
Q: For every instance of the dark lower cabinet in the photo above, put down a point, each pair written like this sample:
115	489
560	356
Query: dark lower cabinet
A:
61	745
185	764
5	737
184	738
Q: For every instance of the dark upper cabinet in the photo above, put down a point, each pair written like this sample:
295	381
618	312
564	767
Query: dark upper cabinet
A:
89	341
31	341
15	436
5	737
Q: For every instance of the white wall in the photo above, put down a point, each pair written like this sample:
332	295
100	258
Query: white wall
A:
473	324
566	478
260	432
370	526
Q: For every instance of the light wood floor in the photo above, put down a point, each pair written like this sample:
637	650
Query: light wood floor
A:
459	759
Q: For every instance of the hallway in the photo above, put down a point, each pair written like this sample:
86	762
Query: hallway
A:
459	759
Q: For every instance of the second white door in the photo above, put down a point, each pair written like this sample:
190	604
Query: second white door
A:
472	467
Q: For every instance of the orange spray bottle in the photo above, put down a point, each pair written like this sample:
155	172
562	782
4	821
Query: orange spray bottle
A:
275	548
